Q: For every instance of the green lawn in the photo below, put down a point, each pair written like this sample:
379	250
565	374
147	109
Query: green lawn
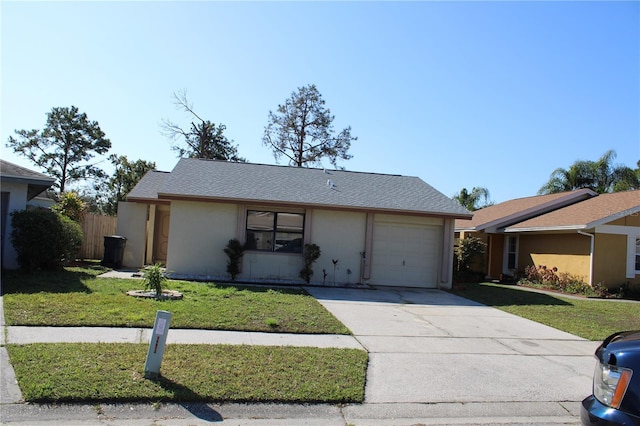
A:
588	318
76	297
109	372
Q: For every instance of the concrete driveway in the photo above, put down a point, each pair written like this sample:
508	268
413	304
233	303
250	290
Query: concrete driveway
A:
429	346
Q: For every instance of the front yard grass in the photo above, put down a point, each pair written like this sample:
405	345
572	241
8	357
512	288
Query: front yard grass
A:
108	372
77	297
588	318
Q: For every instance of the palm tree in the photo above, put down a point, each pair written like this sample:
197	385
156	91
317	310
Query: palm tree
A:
471	200
602	176
561	180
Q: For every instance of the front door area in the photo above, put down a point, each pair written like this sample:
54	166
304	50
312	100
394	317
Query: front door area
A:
161	235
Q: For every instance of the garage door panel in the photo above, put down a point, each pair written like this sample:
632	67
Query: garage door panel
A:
406	254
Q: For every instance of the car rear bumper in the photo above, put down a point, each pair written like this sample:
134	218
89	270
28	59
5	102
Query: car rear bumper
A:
594	413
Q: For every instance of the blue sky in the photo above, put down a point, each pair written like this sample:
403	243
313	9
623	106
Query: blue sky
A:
460	94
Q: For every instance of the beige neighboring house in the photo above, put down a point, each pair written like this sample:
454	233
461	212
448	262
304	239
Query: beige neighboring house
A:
371	228
594	237
20	188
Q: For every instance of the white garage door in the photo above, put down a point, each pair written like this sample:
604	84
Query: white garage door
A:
406	255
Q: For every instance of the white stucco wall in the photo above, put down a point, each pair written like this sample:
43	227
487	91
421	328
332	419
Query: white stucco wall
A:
341	236
17	201
132	224
198	234
271	266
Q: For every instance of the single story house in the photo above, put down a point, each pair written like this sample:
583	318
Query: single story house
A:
20	186
594	237
371	228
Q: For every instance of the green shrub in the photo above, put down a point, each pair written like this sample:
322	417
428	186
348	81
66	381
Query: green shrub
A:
311	253
154	278
71	206
44	239
628	291
72	237
467	251
235	251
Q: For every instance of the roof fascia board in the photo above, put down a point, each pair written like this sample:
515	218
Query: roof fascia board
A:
614	216
546	228
618	230
28	181
148	201
170	197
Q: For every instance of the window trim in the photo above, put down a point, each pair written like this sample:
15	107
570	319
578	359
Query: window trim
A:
275	230
506	253
637	256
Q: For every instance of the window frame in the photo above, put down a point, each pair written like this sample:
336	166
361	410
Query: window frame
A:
275	232
637	258
507	254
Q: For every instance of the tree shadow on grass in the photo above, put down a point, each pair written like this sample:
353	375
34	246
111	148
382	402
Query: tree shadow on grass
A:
493	295
189	400
54	281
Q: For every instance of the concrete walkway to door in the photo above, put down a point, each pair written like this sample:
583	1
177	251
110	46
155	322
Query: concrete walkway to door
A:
429	346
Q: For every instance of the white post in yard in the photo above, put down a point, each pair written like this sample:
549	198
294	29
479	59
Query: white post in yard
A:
156	345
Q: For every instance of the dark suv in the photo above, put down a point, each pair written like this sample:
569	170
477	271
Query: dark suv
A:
616	383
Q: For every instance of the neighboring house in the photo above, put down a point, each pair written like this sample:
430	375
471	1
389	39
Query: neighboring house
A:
595	237
19	186
371	228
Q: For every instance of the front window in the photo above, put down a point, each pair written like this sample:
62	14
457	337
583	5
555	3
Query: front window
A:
511	254
275	231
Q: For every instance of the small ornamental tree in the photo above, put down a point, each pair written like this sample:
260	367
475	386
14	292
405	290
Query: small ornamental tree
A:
235	251
311	253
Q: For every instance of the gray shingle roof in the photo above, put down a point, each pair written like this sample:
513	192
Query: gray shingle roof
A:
246	182
147	188
36	182
10	170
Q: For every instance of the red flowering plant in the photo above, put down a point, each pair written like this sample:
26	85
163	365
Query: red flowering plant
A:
549	278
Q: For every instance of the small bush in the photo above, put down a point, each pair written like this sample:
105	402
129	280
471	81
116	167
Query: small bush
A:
550	278
72	237
44	239
71	206
311	253
154	278
628	291
235	251
467	251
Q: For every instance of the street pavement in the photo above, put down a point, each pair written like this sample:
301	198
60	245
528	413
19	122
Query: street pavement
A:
434	359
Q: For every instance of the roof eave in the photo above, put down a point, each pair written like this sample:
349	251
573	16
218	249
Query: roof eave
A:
181	197
614	216
547	228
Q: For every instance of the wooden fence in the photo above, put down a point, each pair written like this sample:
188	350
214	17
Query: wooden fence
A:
95	227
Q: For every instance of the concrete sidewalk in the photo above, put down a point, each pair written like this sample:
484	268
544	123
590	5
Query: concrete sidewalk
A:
24	335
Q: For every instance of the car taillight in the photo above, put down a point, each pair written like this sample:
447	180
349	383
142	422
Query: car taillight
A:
610	384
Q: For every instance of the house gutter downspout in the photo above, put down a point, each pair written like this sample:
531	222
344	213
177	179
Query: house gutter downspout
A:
592	237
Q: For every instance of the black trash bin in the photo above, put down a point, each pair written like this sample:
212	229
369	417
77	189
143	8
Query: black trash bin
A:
113	251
